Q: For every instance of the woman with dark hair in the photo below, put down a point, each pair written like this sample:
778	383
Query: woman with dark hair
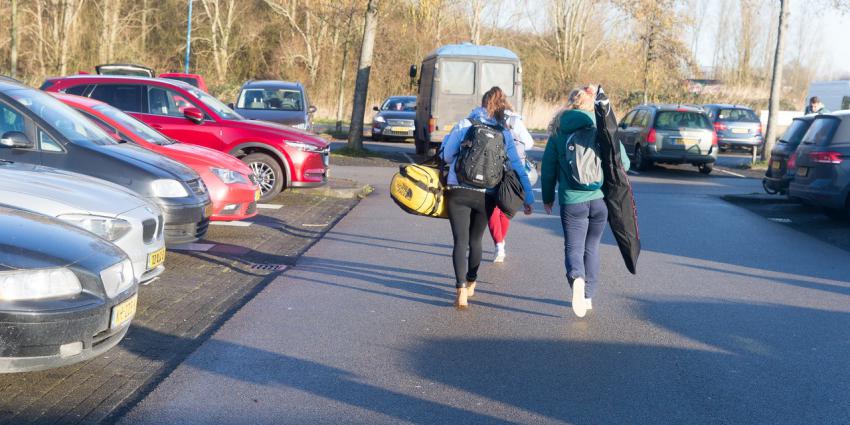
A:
470	206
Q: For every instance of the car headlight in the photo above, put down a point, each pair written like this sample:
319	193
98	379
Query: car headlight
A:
304	147
167	188
107	228
38	284
380	119
229	176
117	278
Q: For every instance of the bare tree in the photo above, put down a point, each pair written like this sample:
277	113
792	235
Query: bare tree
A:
361	85
222	15
13	49
110	27
776	82
305	17
568	38
476	10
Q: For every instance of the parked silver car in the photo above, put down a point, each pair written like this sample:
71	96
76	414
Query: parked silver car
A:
105	209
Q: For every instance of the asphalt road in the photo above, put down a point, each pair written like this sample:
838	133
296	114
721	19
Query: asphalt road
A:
732	318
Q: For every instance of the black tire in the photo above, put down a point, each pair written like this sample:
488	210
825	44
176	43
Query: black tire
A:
420	147
705	168
767	189
723	149
268	172
377	138
641	162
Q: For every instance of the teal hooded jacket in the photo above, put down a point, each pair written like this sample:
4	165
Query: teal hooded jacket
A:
554	170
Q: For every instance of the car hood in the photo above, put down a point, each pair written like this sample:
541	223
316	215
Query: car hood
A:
24	243
397	115
50	191
285	131
151	161
194	155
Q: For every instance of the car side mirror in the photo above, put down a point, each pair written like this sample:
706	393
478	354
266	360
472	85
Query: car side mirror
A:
231	105
622	125
193	114
412	71
312	109
16	140
376	109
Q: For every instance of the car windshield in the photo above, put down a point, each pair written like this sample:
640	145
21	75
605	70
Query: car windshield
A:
676	120
61	117
188	80
137	127
737	115
271	99
216	105
821	131
795	132
399	104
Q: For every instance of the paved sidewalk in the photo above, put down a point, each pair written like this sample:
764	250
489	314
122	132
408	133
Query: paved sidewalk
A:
725	323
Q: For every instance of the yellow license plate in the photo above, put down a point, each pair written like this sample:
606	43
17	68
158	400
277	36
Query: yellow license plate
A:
208	211
400	129
258	195
740	130
687	142
776	166
124	312
156	258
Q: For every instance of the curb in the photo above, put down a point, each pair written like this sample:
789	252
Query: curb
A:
339	188
757	198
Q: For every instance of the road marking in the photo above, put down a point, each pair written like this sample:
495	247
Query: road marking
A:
780	219
409	159
315	225
731	173
200	247
269	206
232	223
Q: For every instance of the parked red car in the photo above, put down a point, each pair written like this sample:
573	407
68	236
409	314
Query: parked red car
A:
192	79
280	156
231	184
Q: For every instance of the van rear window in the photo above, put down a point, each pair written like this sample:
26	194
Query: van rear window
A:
675	120
498	74
457	77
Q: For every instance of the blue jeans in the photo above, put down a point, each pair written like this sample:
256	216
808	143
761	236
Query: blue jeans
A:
583	226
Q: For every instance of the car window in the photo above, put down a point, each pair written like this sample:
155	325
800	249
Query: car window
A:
641	119
216	105
498	74
126	97
458	77
845	102
61	117
47	144
399	104
271	99
162	101
11	120
627	120
821	131
76	90
190	80
138	128
100	123
795	132
675	120
737	115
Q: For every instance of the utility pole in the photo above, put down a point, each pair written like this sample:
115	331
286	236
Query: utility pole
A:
188	38
361	86
13	51
776	82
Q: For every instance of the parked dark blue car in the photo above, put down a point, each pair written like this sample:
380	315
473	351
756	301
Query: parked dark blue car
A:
283	102
395	119
782	165
823	164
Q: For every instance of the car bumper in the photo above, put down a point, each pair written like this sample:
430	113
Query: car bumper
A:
681	157
234	202
54	338
310	169
818	192
394	132
144	244
777	183
732	142
186	223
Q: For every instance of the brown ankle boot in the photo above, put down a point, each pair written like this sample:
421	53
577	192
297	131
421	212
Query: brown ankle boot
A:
461	302
470	289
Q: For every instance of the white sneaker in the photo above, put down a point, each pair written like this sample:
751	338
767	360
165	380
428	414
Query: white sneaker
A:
579	302
589	304
500	253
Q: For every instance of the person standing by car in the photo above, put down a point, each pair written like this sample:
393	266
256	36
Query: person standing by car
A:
815	106
499	222
470	205
583	209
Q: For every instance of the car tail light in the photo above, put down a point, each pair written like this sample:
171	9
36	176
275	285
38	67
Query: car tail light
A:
650	137
719	126
792	161
713	138
432	125
825	157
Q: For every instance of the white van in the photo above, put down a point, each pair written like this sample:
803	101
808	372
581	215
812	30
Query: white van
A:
835	95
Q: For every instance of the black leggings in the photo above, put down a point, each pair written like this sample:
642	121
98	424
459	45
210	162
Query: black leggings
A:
469	212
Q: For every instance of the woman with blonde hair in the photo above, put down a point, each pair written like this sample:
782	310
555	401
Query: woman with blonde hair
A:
470	206
583	210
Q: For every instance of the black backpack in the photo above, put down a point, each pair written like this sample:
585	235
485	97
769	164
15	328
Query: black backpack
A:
481	161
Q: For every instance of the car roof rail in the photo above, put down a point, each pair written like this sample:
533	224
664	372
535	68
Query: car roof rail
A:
11	79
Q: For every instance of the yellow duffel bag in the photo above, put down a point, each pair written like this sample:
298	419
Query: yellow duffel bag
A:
417	190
